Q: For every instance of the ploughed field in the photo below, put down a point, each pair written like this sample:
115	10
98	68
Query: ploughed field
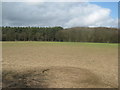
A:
60	65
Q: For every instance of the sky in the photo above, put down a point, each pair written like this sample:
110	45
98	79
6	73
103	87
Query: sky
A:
113	6
65	14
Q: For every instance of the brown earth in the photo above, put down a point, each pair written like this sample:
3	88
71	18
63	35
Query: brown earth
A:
57	65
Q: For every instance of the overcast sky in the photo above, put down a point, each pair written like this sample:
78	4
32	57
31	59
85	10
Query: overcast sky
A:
65	14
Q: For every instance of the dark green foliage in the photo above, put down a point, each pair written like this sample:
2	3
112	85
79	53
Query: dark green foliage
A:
29	33
76	34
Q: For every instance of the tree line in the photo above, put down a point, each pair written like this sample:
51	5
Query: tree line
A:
85	34
29	33
76	34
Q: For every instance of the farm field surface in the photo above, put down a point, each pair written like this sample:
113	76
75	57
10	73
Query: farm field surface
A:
60	65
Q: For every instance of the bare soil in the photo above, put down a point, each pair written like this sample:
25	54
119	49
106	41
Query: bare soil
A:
59	65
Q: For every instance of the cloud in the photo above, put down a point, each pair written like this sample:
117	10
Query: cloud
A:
65	14
60	0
